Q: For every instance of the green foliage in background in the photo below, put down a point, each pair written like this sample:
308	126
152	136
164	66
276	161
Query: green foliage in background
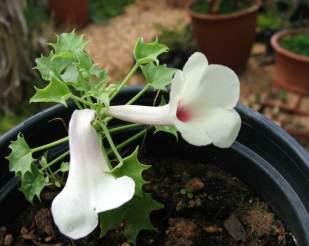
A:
178	39
225	6
103	10
36	13
298	43
275	15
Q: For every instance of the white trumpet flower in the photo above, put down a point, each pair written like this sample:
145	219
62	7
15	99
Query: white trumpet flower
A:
90	188
201	106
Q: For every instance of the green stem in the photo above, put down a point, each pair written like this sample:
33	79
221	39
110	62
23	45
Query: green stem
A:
124	127
82	101
111	142
138	95
126	79
52	144
127	141
105	156
78	105
59	158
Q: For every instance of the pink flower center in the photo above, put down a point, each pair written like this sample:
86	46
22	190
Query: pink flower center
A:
183	114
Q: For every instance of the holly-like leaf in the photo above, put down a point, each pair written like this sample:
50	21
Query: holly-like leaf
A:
135	214
64	167
20	158
70	74
158	76
33	183
55	91
69	42
132	167
167	129
47	66
148	52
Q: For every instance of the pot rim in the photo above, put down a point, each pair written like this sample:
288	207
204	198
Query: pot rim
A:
213	17
275	43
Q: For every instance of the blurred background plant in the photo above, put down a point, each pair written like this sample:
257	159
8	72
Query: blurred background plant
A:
220	6
281	14
22	38
298	44
14	54
181	44
103	10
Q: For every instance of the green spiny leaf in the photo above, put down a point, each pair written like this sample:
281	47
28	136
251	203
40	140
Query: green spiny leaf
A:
64	167
168	129
55	91
158	76
48	66
148	52
133	168
135	214
70	74
33	183
20	157
69	42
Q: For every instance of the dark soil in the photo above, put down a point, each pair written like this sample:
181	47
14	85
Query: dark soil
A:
203	206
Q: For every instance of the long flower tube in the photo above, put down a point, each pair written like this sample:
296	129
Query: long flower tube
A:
201	106
90	188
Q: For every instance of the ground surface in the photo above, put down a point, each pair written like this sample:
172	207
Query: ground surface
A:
202	206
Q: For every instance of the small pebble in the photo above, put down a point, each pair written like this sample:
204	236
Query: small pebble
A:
2	234
213	229
195	184
48	239
8	240
23	230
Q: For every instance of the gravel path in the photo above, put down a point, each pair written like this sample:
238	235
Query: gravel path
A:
111	44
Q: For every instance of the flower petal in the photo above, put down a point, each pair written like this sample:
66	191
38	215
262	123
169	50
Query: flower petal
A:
113	194
193	132
219	88
89	188
73	214
222	126
219	127
195	67
177	86
194	71
142	114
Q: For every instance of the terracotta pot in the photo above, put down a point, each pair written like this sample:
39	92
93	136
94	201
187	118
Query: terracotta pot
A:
71	12
291	69
226	39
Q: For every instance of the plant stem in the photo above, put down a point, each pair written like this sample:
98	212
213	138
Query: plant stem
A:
52	144
126	79
82	101
78	105
138	95
60	157
128	141
124	127
111	142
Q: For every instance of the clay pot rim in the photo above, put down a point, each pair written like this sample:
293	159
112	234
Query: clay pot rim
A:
213	17
275	43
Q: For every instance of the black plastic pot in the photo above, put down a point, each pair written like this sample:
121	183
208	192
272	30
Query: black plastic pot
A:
264	156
